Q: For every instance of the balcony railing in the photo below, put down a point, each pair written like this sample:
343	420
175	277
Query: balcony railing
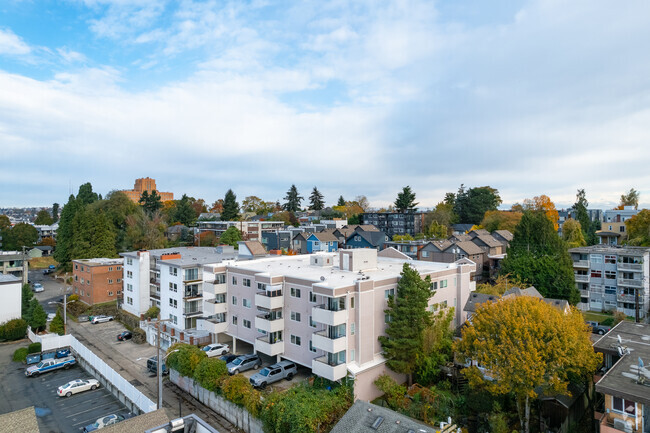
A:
581	264
630	282
154	294
193	294
332	343
629	298
269	346
582	278
270	300
329	370
191	312
629	266
322	314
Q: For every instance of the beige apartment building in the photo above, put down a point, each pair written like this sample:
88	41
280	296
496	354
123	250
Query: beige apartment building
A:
324	311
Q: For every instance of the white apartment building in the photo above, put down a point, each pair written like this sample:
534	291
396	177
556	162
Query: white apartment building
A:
11	295
324	311
610	278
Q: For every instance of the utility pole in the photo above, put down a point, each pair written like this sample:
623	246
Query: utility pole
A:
159	360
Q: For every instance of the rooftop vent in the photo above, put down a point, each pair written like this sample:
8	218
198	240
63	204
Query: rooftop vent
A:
375	425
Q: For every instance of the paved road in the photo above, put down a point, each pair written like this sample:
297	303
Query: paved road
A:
53	289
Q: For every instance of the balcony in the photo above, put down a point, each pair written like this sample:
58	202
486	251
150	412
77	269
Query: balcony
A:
154	282
629	298
581	264
192	309
584	294
630	282
268	302
322	314
215	324
214	287
212	307
630	267
265	322
269	347
154	294
192	293
321	340
581	278
321	367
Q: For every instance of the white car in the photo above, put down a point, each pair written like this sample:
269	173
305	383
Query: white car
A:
50	316
38	288
76	386
101	319
216	349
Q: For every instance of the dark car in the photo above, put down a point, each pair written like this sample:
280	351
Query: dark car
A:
228	358
597	328
126	335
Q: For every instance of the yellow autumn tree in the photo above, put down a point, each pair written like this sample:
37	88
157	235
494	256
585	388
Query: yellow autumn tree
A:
543	203
501	285
524	347
501	220
572	234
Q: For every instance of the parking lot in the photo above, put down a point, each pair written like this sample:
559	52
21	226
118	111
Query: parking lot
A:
54	413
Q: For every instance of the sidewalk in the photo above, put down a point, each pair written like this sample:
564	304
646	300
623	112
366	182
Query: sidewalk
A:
134	371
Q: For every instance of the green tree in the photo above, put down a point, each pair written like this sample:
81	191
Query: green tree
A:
500	220
316	200
145	231
253	204
27	296
183	212
43	218
65	233
436	347
55	212
405	200
341	201
631	198
293	199
501	284
86	195
230	207
470	205
526	347
437	230
408	317
151	202
210	372
403	238
231	236
56	325
638	229
572	234
4	222
19	236
37	316
93	235
539	256
117	207
443	214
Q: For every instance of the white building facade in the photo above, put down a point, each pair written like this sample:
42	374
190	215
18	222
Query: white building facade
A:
11	294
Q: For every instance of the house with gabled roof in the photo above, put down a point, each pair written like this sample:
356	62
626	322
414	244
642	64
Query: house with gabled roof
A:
322	242
366	239
489	244
478	232
299	242
432	251
504	236
470	250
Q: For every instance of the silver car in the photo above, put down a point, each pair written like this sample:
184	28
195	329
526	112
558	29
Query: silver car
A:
268	375
101	319
243	363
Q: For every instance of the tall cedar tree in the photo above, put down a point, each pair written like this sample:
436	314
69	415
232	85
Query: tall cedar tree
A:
43	218
184	212
55	212
293	200
37	316
540	257
27	296
526	347
341	201
230	207
93	235
405	200
150	202
408	318
581	214
63	251
316	200
470	205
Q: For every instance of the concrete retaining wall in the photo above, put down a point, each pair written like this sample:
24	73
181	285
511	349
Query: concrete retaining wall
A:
230	411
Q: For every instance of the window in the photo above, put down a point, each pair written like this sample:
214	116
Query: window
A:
173	319
129	274
234	320
610	275
596	258
610	259
76	266
119	280
119	268
434	286
173	287
129	261
443	284
119	292
191	274
425	254
173	303
129	300
352	326
312	297
295	293
389	292
311	347
386	318
234	280
82	268
247	324
351	301
246	282
220	279
352	355
311	322
110	281
295	340
76	277
246	302
129	287
295	316
173	271
234	300
596	274
261	286
620	405
88	282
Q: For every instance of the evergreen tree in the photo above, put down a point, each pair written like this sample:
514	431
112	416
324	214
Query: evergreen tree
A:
231	236
582	216
86	194
65	233
55	212
37	316
43	218
117	207
316	200
230	207
470	205
293	199
150	202
407	317
538	256
93	236
341	201
184	212
27	296
56	325
405	200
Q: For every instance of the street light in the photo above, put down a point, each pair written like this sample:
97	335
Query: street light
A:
65	308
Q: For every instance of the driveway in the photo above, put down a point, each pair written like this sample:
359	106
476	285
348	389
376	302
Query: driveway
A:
54	413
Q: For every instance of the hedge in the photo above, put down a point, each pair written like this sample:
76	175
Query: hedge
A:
20	355
186	359
15	329
210	373
34	348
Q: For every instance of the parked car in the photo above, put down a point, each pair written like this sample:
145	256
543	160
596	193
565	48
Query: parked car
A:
101	319
126	335
243	363
104	421
216	349
77	386
46	271
50	364
52	267
38	288
268	375
228	358
597	328
152	366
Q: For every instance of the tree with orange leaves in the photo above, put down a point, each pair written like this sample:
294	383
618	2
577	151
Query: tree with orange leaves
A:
543	203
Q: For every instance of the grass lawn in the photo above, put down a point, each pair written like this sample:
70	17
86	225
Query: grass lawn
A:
596	317
42	262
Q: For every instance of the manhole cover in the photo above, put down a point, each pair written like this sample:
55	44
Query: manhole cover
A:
136	382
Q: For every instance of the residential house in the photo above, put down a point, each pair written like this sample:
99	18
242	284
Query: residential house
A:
469	250
299	242
433	251
489	244
278	240
322	242
98	280
46	250
619	215
612	233
613	278
458	229
251	250
395	223
366	239
478	232
504	236
410	248
324	311
14	263
11	290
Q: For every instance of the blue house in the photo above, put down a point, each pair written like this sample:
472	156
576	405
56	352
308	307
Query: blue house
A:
361	239
322	242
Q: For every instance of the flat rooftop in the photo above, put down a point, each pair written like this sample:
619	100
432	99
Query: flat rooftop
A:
613	249
299	267
8	278
189	255
627	378
100	261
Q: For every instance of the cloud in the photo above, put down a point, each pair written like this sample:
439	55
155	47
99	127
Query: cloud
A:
70	56
12	44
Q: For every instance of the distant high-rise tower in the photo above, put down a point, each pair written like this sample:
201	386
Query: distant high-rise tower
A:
146	184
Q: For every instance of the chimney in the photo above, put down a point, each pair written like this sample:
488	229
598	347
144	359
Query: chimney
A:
172	331
181	335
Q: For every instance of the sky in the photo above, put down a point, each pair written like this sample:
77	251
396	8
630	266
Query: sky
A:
358	97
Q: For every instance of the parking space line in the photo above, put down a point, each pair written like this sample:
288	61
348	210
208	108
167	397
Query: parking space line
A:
66	404
91	420
91	409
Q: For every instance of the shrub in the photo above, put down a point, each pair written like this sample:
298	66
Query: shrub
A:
238	389
152	312
20	355
394	394
139	336
619	316
73	298
13	330
608	322
129	320
186	359
210	372
56	325
34	348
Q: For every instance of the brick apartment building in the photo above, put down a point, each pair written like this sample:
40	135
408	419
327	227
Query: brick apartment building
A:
146	184
97	280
